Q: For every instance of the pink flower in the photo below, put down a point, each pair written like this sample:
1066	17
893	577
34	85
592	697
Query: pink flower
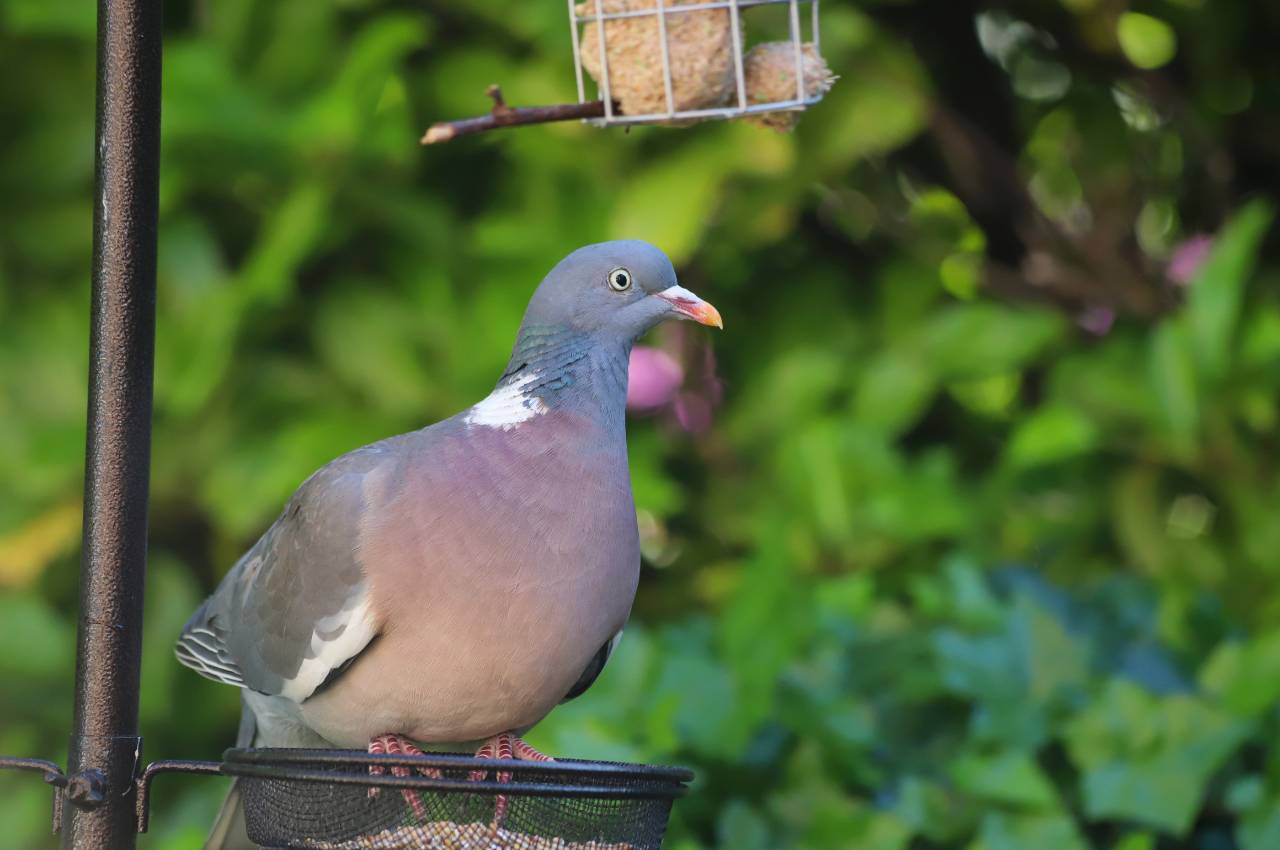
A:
655	376
1187	259
677	381
693	412
1097	319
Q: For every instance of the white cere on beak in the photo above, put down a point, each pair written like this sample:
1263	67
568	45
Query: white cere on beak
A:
678	293
691	306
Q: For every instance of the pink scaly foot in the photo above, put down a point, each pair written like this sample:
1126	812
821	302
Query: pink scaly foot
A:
506	745
400	745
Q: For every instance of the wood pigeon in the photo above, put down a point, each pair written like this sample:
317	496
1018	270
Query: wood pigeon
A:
450	586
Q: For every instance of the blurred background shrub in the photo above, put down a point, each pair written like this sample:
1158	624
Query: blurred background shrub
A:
963	536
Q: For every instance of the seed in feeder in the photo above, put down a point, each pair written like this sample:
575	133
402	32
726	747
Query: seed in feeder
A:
699	51
447	835
770	71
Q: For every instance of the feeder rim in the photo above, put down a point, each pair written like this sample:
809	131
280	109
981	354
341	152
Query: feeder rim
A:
426	783
653	781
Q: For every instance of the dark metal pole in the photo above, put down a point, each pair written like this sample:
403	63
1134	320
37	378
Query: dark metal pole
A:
105	747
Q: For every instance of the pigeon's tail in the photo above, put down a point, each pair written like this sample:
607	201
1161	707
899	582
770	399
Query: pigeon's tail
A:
265	721
229	831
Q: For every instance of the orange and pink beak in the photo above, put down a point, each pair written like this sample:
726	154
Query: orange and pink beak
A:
691	306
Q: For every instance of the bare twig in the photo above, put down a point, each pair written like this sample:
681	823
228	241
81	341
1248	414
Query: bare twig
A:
506	116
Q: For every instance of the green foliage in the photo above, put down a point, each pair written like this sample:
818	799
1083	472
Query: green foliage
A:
1146	41
958	565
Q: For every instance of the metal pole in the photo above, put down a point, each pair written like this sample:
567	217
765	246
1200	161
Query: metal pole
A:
105	748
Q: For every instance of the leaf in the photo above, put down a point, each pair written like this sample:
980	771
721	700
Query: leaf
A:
933	810
1001	831
1011	777
1260	342
1155	793
740	827
248	486
35	642
651	481
768	600
1055	660
879	106
1101	383
24	811
171	597
980	339
1051	434
703	696
1260	828
895	389
1216	295
971	602
26	551
979	667
1136	841
824	816
1146	41
1149	760
670	202
795	386
1174	376
1245	677
51	18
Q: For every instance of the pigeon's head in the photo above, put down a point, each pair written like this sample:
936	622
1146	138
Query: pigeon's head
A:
615	289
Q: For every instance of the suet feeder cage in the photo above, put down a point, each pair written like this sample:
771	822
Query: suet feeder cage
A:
677	62
655	61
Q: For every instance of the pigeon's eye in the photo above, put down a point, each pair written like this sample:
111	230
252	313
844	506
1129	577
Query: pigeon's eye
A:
620	280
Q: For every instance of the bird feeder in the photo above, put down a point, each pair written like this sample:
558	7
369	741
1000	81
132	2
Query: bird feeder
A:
330	799
687	61
293	798
676	62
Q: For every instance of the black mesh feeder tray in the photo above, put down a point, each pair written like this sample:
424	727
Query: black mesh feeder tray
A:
350	800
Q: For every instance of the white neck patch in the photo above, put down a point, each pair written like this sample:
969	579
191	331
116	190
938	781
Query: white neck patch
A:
507	406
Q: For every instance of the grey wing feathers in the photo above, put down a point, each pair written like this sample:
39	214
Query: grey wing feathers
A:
203	648
295	607
593	669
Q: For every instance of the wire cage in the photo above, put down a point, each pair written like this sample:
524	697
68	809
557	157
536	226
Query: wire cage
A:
658	61
349	800
308	799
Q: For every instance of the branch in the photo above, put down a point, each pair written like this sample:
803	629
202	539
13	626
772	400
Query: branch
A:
505	116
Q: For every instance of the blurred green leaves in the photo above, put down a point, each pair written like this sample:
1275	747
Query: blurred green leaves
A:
1050	435
1011	778
1148	759
1146	41
1216	297
1240	675
1173	375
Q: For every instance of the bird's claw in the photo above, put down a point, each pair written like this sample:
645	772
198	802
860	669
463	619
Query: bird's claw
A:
506	745
393	744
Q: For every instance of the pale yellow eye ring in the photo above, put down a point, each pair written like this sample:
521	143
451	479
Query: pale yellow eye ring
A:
619	280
